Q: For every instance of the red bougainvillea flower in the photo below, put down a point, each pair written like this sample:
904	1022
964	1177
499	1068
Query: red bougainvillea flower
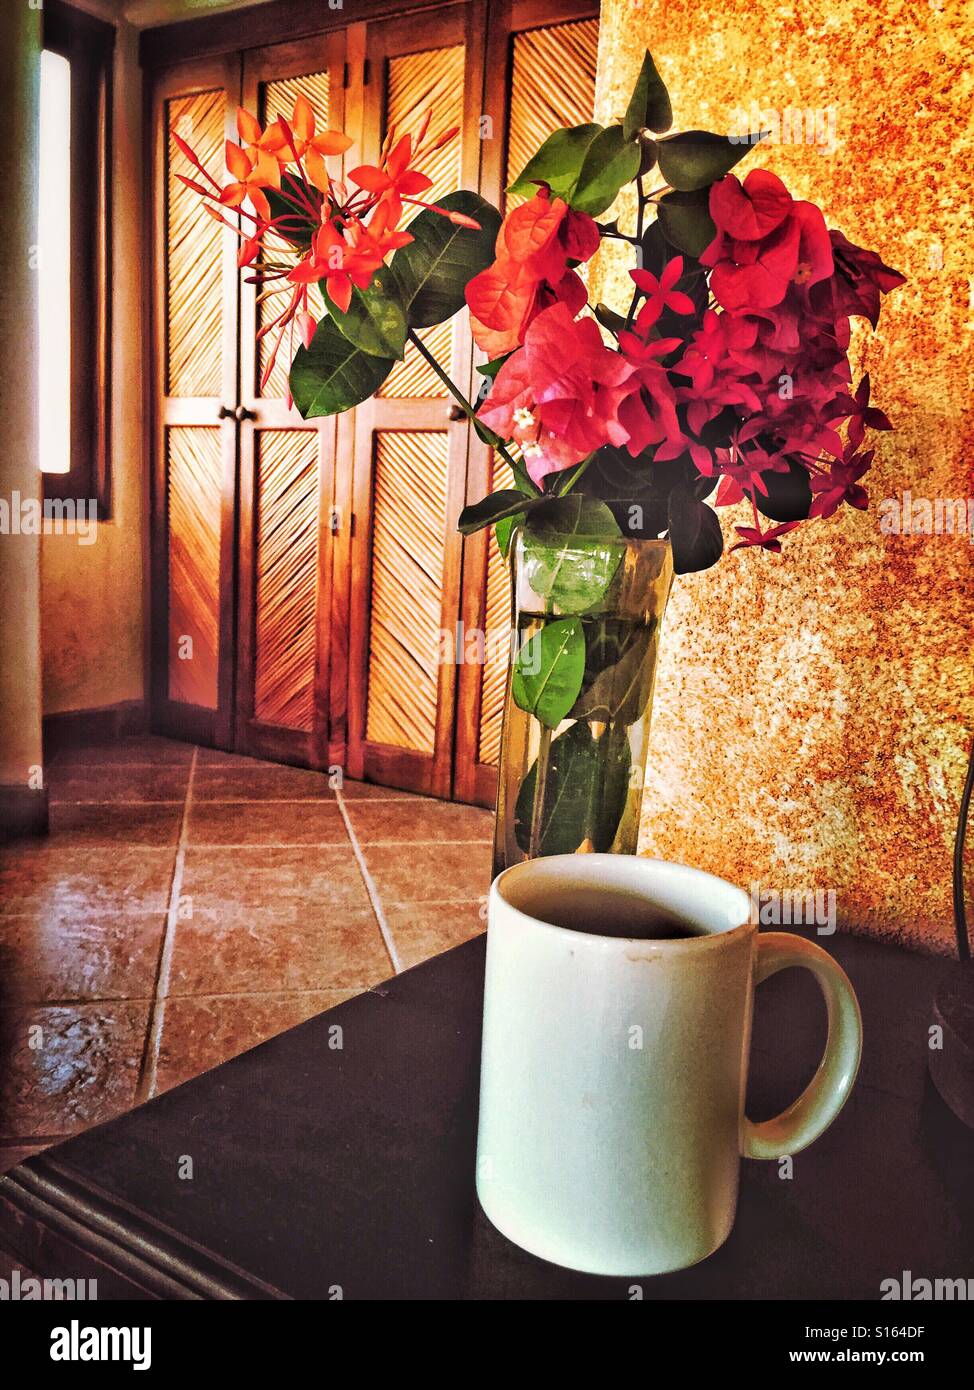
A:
860	278
743	465
841	484
752	536
648	412
860	414
765	241
717	379
535	244
558	397
660	294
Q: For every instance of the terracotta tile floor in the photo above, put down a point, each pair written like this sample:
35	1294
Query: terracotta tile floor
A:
189	904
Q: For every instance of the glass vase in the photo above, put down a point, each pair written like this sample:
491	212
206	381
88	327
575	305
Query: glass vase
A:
572	762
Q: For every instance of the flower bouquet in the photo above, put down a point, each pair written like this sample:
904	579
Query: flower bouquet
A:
724	379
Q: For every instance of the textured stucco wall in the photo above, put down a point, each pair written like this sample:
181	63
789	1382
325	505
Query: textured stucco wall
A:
814	710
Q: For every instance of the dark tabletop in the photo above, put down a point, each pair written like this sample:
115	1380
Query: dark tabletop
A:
340	1157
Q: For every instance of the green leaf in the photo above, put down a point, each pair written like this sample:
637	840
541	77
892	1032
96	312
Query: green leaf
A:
572	550
649	154
565	481
612	792
575	516
508	502
333	374
789	495
432	272
375	321
586	789
695	534
490	369
611	162
619	673
655	252
503	530
548	671
558	163
686	221
609	319
649	106
695	158
565	813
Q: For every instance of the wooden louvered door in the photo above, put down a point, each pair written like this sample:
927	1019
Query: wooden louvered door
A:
194	447
540	75
410	453
287	475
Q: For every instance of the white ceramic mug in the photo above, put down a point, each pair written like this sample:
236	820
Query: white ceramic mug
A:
614	1069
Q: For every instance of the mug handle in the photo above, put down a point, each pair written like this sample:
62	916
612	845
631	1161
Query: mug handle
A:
824	1096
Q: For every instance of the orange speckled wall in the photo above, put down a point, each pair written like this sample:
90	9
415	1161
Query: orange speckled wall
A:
815	710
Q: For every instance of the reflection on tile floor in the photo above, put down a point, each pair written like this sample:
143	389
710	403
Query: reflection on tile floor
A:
189	904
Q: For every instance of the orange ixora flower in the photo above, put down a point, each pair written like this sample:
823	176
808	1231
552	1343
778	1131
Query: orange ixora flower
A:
340	261
395	181
251	174
311	228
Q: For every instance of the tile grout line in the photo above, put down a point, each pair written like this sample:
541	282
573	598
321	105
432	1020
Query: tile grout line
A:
370	888
150	1059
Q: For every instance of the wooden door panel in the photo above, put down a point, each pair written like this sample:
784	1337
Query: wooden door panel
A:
193	506
410	476
286	564
552	85
413	378
497	628
314	565
430	80
193	279
194	243
551	59
276	97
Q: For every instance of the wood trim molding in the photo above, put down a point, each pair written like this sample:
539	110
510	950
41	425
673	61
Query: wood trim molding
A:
58	1212
23	811
78	728
266	24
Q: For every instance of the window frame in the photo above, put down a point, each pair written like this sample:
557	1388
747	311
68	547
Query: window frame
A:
89	46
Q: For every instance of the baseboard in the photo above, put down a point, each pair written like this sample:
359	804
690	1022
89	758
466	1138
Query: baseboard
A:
80	728
23	810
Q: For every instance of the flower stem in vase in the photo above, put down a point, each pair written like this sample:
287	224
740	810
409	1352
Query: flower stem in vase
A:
540	786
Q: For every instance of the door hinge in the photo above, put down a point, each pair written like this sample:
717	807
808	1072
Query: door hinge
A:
346	76
366	72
